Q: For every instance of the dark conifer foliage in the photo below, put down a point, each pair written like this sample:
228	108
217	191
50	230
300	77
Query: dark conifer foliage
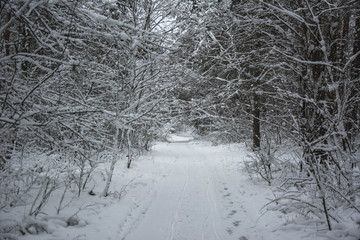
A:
288	71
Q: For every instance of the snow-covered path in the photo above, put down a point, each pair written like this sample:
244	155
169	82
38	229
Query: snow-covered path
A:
184	206
182	190
202	194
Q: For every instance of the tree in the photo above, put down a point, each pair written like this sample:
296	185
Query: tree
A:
230	49
293	67
77	80
143	82
310	40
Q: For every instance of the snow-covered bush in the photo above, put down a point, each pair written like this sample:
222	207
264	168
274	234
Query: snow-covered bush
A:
265	162
323	191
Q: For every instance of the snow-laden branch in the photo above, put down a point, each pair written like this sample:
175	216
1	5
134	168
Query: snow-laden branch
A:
17	14
95	17
286	12
30	57
308	62
351	59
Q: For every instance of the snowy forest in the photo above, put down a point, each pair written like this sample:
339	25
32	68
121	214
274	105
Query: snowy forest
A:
89	88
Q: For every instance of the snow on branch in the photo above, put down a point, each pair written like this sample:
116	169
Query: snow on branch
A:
286	12
322	63
17	14
95	17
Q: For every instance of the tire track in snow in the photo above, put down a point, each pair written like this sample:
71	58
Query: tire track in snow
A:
226	202
206	219
213	205
137	212
173	221
141	205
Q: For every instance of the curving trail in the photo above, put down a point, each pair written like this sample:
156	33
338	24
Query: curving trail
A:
182	190
184	206
192	190
202	196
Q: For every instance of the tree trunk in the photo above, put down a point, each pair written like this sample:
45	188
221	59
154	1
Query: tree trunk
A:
7	36
256	122
113	162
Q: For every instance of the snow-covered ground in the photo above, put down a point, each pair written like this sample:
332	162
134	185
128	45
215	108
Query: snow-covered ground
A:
183	189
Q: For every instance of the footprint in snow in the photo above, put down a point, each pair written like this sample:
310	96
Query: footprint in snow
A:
236	223
232	212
